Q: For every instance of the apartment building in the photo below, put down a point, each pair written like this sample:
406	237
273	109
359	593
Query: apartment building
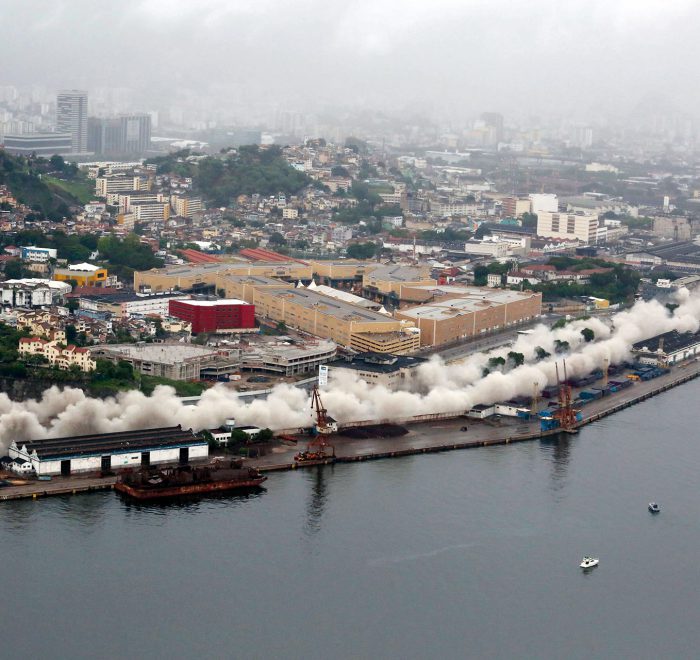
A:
186	207
57	355
578	226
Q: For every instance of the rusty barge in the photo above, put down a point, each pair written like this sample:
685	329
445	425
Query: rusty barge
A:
188	480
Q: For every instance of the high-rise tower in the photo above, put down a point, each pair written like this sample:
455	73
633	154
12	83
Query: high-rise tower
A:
71	117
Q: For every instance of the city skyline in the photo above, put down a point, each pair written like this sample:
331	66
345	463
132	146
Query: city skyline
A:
451	59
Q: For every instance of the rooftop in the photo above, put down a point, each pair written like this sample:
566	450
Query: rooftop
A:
398	273
468	301
672	341
330	306
214	303
166	353
104	443
383	363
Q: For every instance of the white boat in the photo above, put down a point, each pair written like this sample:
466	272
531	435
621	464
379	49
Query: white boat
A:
654	507
590	562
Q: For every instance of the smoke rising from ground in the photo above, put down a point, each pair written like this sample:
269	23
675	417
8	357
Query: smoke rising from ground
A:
439	387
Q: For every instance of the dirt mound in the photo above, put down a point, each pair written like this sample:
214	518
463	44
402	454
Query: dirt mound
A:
374	431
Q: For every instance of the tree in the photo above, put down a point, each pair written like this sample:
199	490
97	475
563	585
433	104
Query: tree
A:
239	437
13	269
496	362
71	333
57	163
265	435
529	220
561	346
362	250
339	170
277	239
206	435
480	275
588	334
517	358
541	353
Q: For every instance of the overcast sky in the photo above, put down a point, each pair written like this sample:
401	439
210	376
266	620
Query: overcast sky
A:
507	55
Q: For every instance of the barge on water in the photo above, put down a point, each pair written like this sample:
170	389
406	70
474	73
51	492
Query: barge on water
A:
188	480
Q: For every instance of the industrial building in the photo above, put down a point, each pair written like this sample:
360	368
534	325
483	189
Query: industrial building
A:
287	358
346	324
41	144
126	304
244	286
667	348
342	274
223	315
205	276
453	313
109	451
176	361
346	296
387	283
392	371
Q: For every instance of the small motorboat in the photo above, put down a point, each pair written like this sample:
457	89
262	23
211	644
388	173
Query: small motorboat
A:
654	507
590	562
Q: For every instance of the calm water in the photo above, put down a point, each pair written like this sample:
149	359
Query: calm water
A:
469	554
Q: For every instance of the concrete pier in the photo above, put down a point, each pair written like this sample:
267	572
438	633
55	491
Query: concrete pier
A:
437	435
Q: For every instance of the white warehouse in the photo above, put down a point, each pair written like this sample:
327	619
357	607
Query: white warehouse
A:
105	452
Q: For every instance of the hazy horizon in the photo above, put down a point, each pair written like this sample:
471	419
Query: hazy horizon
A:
446	58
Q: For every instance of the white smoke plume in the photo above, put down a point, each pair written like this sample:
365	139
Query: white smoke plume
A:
438	388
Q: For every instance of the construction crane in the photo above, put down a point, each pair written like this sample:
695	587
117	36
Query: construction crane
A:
661	357
566	415
606	366
318	448
535	399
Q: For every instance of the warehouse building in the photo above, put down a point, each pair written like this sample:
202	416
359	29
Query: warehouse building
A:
455	313
344	323
176	361
205	276
667	348
392	371
244	286
126	304
223	315
390	283
288	358
109	451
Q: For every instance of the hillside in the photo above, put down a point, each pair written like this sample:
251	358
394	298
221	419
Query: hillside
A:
250	170
27	179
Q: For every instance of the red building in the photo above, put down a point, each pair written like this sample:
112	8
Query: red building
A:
214	315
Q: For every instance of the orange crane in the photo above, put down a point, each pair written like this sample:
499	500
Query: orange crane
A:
318	448
566	413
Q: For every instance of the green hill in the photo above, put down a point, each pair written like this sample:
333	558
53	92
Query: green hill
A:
29	181
219	179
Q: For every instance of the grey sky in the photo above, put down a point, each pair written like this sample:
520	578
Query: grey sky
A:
474	54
